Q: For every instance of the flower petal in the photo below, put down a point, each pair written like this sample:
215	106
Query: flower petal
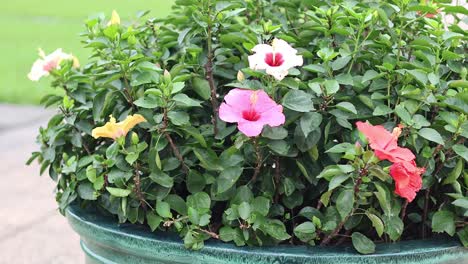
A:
250	129
395	155
239	99
130	122
263	102
229	113
37	70
273	117
278	72
407	178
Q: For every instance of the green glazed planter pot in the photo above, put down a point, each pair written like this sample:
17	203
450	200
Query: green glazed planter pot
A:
104	241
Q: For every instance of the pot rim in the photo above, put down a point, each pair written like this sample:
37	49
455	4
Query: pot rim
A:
130	237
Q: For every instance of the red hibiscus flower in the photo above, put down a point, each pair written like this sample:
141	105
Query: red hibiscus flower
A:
407	178
384	143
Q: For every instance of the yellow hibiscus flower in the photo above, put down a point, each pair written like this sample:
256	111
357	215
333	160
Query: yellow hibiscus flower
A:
115	130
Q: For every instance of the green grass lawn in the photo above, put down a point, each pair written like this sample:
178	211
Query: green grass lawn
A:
49	24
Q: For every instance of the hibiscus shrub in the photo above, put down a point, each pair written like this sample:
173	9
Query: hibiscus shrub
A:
267	122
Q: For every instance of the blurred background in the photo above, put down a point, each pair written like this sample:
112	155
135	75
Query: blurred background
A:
31	228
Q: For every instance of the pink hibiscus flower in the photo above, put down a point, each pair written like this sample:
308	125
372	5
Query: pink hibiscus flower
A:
251	110
407	178
384	143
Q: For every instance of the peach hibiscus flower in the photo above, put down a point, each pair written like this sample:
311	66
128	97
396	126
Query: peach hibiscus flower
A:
47	63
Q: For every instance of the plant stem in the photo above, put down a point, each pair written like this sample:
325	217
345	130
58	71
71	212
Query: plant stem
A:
127	93
277	179
335	232
86	148
137	189
209	71
212	234
174	148
403	210
426	208
259	160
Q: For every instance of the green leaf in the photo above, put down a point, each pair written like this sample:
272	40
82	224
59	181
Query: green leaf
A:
91	173
86	191
305	231
419	75
369	76
261	205
276	133
393	226
149	102
376	223
177	203
314	68
298	100
195	182
382	110
348	107
276	229
340	63
383	195
228	177
153	219
463	236
201	87
131	157
310	122
333	170
431	135
193	215
117	192
289	186
462	202
331	86
401	111
244	210
457	104
179	118
345	203
200	201
116	175
455	173
163	209
340	148
362	244
443	221
184	100
162	179
461	150
227	233
337	181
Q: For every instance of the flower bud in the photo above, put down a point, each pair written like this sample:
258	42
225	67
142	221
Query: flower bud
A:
131	40
240	76
115	18
167	76
135	139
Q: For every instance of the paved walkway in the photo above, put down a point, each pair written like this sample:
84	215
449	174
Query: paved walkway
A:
31	228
